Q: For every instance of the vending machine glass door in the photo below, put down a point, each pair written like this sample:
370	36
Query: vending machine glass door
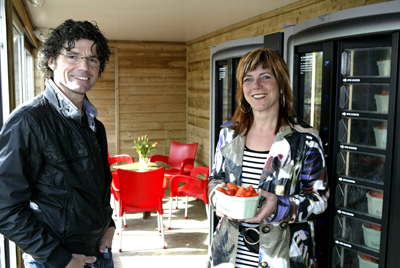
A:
311	87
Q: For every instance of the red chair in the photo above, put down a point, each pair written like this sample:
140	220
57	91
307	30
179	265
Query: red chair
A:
181	159
120	158
140	192
115	184
193	187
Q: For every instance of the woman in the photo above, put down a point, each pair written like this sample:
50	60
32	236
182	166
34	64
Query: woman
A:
267	147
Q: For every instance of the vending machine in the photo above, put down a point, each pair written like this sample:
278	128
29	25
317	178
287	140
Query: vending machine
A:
345	77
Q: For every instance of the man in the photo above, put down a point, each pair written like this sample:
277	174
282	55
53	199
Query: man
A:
54	173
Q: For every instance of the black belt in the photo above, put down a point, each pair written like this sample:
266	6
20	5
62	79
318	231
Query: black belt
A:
251	237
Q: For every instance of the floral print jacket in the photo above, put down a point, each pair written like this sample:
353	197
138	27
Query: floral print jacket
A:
295	171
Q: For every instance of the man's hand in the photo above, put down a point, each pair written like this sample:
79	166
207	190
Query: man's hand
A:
107	239
269	207
78	261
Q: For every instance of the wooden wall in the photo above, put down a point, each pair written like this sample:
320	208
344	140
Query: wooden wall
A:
163	88
150	78
198	57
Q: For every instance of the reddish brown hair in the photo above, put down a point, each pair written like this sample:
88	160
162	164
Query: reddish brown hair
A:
268	59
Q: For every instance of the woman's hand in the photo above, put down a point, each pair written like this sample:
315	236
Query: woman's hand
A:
269	207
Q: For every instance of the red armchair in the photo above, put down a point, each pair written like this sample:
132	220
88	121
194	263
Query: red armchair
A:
140	192
181	158
115	182
194	187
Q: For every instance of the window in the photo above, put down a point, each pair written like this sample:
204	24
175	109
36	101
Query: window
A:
18	45
29	88
23	64
4	93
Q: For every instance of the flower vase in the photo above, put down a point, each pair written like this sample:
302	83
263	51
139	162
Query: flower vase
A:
143	161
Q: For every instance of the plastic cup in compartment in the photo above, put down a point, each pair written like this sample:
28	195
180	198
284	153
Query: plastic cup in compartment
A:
384	67
366	263
382	103
374	205
380	137
372	237
239	208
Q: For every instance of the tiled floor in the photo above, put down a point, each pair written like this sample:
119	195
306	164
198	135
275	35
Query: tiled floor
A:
186	242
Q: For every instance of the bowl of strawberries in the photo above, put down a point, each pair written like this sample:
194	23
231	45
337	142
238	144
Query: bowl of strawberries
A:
237	202
367	262
372	235
375	202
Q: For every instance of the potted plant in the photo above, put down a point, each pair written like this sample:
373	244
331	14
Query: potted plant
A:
143	148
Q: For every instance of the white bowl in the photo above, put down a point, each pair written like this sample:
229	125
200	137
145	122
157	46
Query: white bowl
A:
380	137
367	264
382	103
384	67
372	238
374	205
239	208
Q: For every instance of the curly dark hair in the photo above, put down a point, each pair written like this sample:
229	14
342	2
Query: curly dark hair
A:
64	36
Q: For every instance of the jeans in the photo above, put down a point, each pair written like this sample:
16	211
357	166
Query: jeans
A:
101	262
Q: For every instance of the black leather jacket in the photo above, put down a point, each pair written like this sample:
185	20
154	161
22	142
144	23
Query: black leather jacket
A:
54	180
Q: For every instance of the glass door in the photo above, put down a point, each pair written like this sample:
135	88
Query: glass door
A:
345	89
311	87
225	92
314	90
363	144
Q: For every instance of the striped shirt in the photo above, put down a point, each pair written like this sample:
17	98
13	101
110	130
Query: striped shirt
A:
253	163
